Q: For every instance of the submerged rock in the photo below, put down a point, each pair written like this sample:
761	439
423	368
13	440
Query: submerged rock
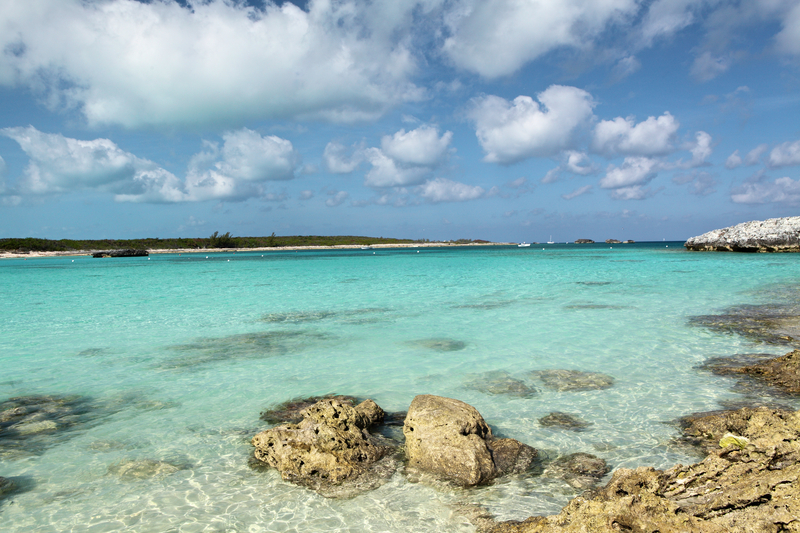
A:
441	345
330	450
781	372
755	488
501	383
579	470
769	323
773	235
136	469
449	439
6	487
564	420
291	410
573	380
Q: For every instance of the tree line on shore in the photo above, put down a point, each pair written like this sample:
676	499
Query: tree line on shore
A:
216	240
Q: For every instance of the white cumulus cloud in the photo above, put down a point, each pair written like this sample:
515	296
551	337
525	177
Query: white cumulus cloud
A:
785	155
701	150
759	190
158	63
336	198
340	159
622	136
444	190
633	171
406	158
512	131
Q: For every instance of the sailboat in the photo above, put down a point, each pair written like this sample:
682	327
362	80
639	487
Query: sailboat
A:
551	240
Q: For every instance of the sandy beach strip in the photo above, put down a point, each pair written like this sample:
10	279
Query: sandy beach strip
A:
10	255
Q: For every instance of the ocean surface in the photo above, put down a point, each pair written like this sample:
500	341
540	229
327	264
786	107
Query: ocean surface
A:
168	361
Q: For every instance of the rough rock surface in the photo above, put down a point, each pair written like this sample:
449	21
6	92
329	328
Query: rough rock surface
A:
579	470
773	235
752	486
573	380
584	241
6	487
558	419
769	323
290	411
780	372
331	450
449	439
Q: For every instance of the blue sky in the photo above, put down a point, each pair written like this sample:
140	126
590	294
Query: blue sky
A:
506	120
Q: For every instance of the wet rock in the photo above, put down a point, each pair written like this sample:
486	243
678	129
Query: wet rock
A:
772	235
501	383
573	380
6	487
136	469
751	487
579	470
770	323
291	410
330	450
613	241
31	424
449	439
441	345
558	419
781	372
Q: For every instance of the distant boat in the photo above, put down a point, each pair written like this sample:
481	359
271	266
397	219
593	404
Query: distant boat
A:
551	240
524	244
366	247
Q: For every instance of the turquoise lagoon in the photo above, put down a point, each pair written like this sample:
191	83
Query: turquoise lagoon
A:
175	356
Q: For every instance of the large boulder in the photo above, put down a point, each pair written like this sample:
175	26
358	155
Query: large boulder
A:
773	235
330	450
449	439
749	482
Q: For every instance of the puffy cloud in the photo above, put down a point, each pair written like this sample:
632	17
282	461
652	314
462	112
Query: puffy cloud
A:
579	163
701	150
512	131
759	190
635	192
785	155
336	198
623	136
406	158
667	17
341	160
152	63
577	192
734	160
421	146
444	190
633	171
496	37
60	164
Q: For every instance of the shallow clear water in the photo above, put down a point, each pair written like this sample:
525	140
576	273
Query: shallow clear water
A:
176	356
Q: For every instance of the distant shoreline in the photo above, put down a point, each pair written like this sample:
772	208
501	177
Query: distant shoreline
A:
73	253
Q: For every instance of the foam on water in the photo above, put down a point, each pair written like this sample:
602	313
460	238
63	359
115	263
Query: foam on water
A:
171	361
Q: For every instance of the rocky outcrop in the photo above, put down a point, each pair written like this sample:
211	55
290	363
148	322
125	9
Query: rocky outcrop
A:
121	253
330	450
613	241
6	487
773	235
749	482
580	470
557	419
449	439
291	410
573	380
584	241
780	372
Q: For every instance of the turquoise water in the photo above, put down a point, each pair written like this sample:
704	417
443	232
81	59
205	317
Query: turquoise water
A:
176	356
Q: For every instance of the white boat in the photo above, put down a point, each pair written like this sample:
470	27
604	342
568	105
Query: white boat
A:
366	247
524	244
551	240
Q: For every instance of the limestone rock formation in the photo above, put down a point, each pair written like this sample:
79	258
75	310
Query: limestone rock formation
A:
331	450
773	235
780	372
752	486
584	241
291	410
449	439
580	470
